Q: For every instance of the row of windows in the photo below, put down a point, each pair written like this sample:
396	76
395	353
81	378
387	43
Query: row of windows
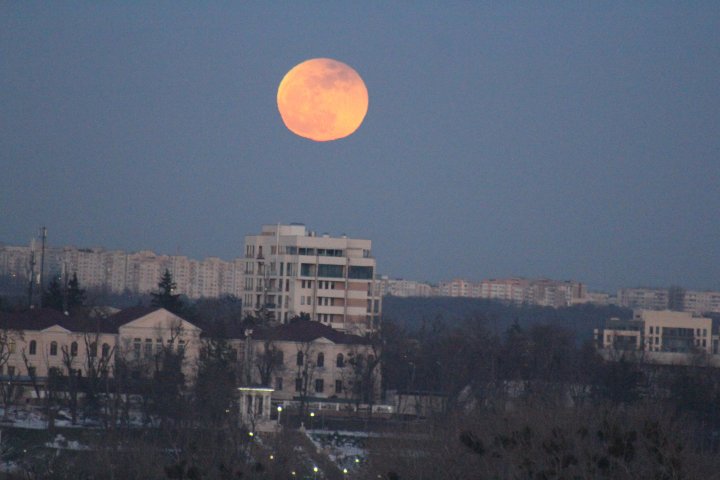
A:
322	284
92	349
679	331
319	385
147	347
32	371
339	360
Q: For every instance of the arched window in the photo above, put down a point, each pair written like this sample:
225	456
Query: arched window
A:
73	349
93	349
105	350
299	358
280	357
33	347
321	360
53	348
340	360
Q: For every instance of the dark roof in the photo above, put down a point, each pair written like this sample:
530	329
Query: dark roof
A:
306	331
42	318
131	313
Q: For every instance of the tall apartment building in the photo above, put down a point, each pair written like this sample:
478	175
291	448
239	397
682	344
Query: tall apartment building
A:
405	288
543	292
692	301
119	272
291	271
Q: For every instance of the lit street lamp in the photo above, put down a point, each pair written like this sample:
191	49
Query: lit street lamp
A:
279	410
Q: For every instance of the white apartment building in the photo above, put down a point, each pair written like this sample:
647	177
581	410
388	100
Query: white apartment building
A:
543	292
405	288
692	301
119	272
291	271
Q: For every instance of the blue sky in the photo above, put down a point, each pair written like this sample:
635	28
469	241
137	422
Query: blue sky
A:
560	139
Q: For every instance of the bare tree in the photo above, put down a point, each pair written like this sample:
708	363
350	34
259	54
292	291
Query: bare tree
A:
305	372
267	361
8	388
70	362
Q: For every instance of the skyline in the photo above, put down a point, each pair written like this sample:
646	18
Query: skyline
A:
513	140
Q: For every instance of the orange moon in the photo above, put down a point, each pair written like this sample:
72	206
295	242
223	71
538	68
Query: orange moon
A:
322	99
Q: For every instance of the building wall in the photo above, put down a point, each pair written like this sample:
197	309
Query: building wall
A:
290	271
661	332
57	347
337	379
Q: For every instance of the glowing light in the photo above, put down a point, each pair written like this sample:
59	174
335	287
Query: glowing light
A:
322	99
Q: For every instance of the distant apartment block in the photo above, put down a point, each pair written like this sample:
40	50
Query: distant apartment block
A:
543	292
291	271
119	272
404	288
673	298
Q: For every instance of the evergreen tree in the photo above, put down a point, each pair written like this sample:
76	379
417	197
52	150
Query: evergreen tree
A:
75	294
53	295
165	298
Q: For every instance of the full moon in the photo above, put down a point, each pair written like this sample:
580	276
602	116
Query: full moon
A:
322	99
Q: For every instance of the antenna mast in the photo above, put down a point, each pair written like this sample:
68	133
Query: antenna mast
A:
43	233
31	274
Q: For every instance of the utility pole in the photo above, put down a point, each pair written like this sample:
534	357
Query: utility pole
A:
43	234
31	273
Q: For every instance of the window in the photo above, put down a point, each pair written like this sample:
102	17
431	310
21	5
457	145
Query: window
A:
105	350
332	271
11	371
298	384
299	360
319	385
278	383
321	359
73	349
340	360
93	350
11	347
148	348
33	347
181	346
53	348
32	372
338	386
136	347
362	273
158	345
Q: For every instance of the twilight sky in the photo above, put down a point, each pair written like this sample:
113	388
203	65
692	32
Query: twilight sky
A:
573	140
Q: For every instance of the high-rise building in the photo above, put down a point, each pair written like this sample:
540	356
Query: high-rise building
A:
291	271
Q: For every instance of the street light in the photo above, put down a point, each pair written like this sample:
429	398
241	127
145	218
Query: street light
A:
279	410
312	417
